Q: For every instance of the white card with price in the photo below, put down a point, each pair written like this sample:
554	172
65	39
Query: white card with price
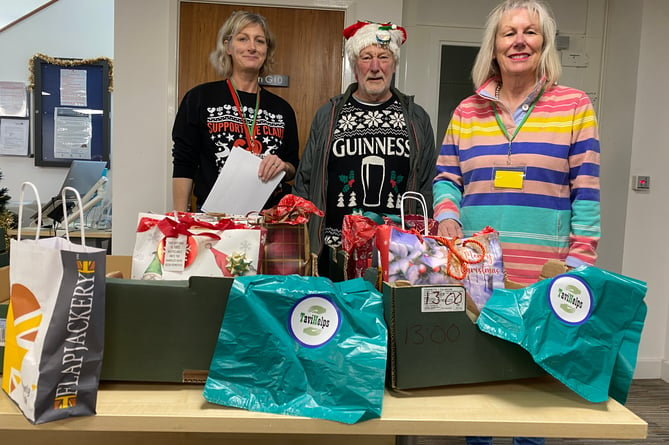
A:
443	299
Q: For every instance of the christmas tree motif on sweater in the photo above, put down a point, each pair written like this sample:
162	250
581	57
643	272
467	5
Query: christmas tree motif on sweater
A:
391	200
352	201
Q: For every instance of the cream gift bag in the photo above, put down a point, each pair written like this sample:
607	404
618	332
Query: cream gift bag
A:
55	324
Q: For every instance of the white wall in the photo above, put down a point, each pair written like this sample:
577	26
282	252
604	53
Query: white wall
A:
142	113
68	28
646	254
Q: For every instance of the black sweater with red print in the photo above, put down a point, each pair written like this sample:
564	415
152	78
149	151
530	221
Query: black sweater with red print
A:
208	125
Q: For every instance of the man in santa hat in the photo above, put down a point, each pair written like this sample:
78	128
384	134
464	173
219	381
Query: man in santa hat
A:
367	146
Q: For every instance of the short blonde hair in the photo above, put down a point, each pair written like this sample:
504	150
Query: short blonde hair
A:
485	65
238	20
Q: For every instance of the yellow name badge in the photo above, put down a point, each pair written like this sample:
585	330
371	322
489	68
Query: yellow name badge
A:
509	179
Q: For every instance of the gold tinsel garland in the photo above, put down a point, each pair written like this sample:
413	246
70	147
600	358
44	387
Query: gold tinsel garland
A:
68	63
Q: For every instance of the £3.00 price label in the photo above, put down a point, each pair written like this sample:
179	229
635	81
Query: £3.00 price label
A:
443	299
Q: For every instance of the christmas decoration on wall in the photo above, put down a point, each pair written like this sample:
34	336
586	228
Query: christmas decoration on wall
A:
68	63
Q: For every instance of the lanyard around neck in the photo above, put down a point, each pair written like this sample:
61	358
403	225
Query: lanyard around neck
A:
503	128
249	129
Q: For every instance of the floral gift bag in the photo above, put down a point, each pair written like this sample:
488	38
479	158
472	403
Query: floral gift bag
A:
476	262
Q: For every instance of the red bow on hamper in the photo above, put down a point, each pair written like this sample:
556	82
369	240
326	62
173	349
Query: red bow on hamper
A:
286	247
291	209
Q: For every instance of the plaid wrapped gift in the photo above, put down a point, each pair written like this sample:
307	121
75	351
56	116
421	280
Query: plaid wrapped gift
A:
286	249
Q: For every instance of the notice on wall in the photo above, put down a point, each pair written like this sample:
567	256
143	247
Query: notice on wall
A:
13	99
73	88
73	131
14	137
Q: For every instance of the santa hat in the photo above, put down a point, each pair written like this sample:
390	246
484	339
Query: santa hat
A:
362	34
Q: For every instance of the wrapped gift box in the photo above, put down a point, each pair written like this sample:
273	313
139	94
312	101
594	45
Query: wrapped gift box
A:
433	342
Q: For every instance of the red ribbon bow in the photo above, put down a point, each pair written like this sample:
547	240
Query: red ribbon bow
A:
291	209
172	228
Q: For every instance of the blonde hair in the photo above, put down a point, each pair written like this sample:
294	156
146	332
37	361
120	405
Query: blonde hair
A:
238	20
485	65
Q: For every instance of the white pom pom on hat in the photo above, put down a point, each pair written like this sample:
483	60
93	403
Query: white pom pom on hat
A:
362	34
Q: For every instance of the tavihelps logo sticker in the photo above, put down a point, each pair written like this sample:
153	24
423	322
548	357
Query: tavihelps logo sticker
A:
570	298
314	320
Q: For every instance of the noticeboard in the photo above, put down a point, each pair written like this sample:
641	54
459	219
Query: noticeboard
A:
71	110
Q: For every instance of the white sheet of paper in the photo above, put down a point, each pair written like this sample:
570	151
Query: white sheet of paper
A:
238	190
14	137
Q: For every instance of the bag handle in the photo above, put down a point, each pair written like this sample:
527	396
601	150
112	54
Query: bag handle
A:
39	209
416	197
81	213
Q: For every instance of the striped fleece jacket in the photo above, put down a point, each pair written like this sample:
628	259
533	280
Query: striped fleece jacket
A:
556	212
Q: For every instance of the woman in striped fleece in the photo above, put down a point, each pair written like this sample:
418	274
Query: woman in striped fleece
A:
522	154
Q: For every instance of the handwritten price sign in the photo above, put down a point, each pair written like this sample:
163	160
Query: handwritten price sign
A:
443	299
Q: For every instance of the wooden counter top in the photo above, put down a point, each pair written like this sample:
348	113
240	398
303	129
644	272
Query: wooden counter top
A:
536	407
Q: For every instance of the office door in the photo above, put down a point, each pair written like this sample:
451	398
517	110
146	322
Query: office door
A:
309	51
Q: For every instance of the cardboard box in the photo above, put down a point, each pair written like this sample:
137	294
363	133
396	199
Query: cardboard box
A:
162	331
119	263
438	344
4	283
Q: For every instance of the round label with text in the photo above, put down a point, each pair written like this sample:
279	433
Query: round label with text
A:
570	299
314	320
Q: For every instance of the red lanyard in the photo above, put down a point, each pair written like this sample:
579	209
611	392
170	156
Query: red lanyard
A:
253	145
